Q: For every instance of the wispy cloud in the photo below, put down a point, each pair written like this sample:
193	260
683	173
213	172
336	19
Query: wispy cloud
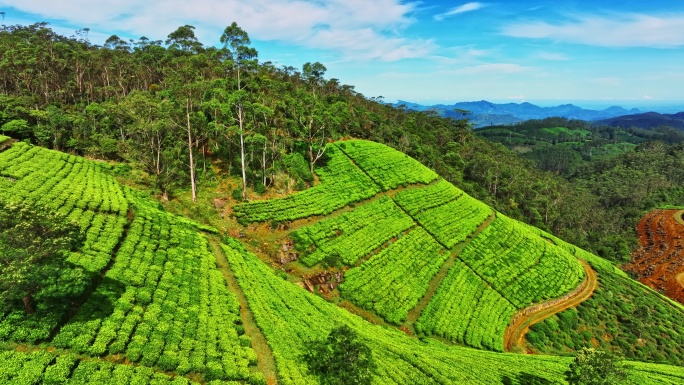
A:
356	29
619	30
467	7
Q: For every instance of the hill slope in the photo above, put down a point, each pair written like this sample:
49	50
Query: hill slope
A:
155	295
161	302
646	121
433	260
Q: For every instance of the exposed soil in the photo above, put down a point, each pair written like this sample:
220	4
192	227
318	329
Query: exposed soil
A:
524	318
659	260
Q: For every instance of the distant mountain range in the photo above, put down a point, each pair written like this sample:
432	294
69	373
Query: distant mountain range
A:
484	113
647	120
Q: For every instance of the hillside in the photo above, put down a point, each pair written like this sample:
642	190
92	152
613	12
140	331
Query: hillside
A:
130	102
163	306
428	220
646	121
590	141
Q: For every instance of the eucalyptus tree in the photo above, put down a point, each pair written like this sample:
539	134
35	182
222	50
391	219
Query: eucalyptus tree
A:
242	59
186	87
150	141
311	114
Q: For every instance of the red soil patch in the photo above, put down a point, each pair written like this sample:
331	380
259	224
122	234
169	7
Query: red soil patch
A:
659	260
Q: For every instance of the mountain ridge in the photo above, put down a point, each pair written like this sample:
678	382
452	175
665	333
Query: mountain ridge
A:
483	112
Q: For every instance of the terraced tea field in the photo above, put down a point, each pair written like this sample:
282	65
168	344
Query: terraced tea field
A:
170	301
394	246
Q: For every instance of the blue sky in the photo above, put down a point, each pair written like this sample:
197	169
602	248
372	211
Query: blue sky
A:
628	53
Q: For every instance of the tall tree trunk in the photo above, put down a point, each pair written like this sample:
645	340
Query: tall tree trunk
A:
28	306
242	152
263	164
311	158
192	161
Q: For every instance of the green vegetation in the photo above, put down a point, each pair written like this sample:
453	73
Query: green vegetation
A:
341	183
595	367
41	367
467	310
163	304
186	118
291	318
572	141
341	359
160	301
387	167
523	267
415	201
34	245
452	222
392	281
250	119
80	191
352	235
622	316
506	267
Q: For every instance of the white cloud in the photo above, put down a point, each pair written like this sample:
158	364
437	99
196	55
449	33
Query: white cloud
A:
354	28
622	30
467	7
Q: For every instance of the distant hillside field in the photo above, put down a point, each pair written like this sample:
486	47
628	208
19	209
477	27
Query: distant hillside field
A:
647	121
430	281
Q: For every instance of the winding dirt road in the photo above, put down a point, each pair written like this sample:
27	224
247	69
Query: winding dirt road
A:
524	318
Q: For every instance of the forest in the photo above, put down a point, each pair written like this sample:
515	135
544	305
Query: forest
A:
184	112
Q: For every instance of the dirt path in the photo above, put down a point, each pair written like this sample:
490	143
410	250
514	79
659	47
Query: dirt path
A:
679	217
266	362
524	318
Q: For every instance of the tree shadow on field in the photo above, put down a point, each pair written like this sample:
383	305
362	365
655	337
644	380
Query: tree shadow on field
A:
525	379
76	296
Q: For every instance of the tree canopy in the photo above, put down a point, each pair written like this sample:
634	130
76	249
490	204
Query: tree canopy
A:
595	367
341	359
34	245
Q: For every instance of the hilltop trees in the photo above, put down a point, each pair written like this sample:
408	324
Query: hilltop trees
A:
311	114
